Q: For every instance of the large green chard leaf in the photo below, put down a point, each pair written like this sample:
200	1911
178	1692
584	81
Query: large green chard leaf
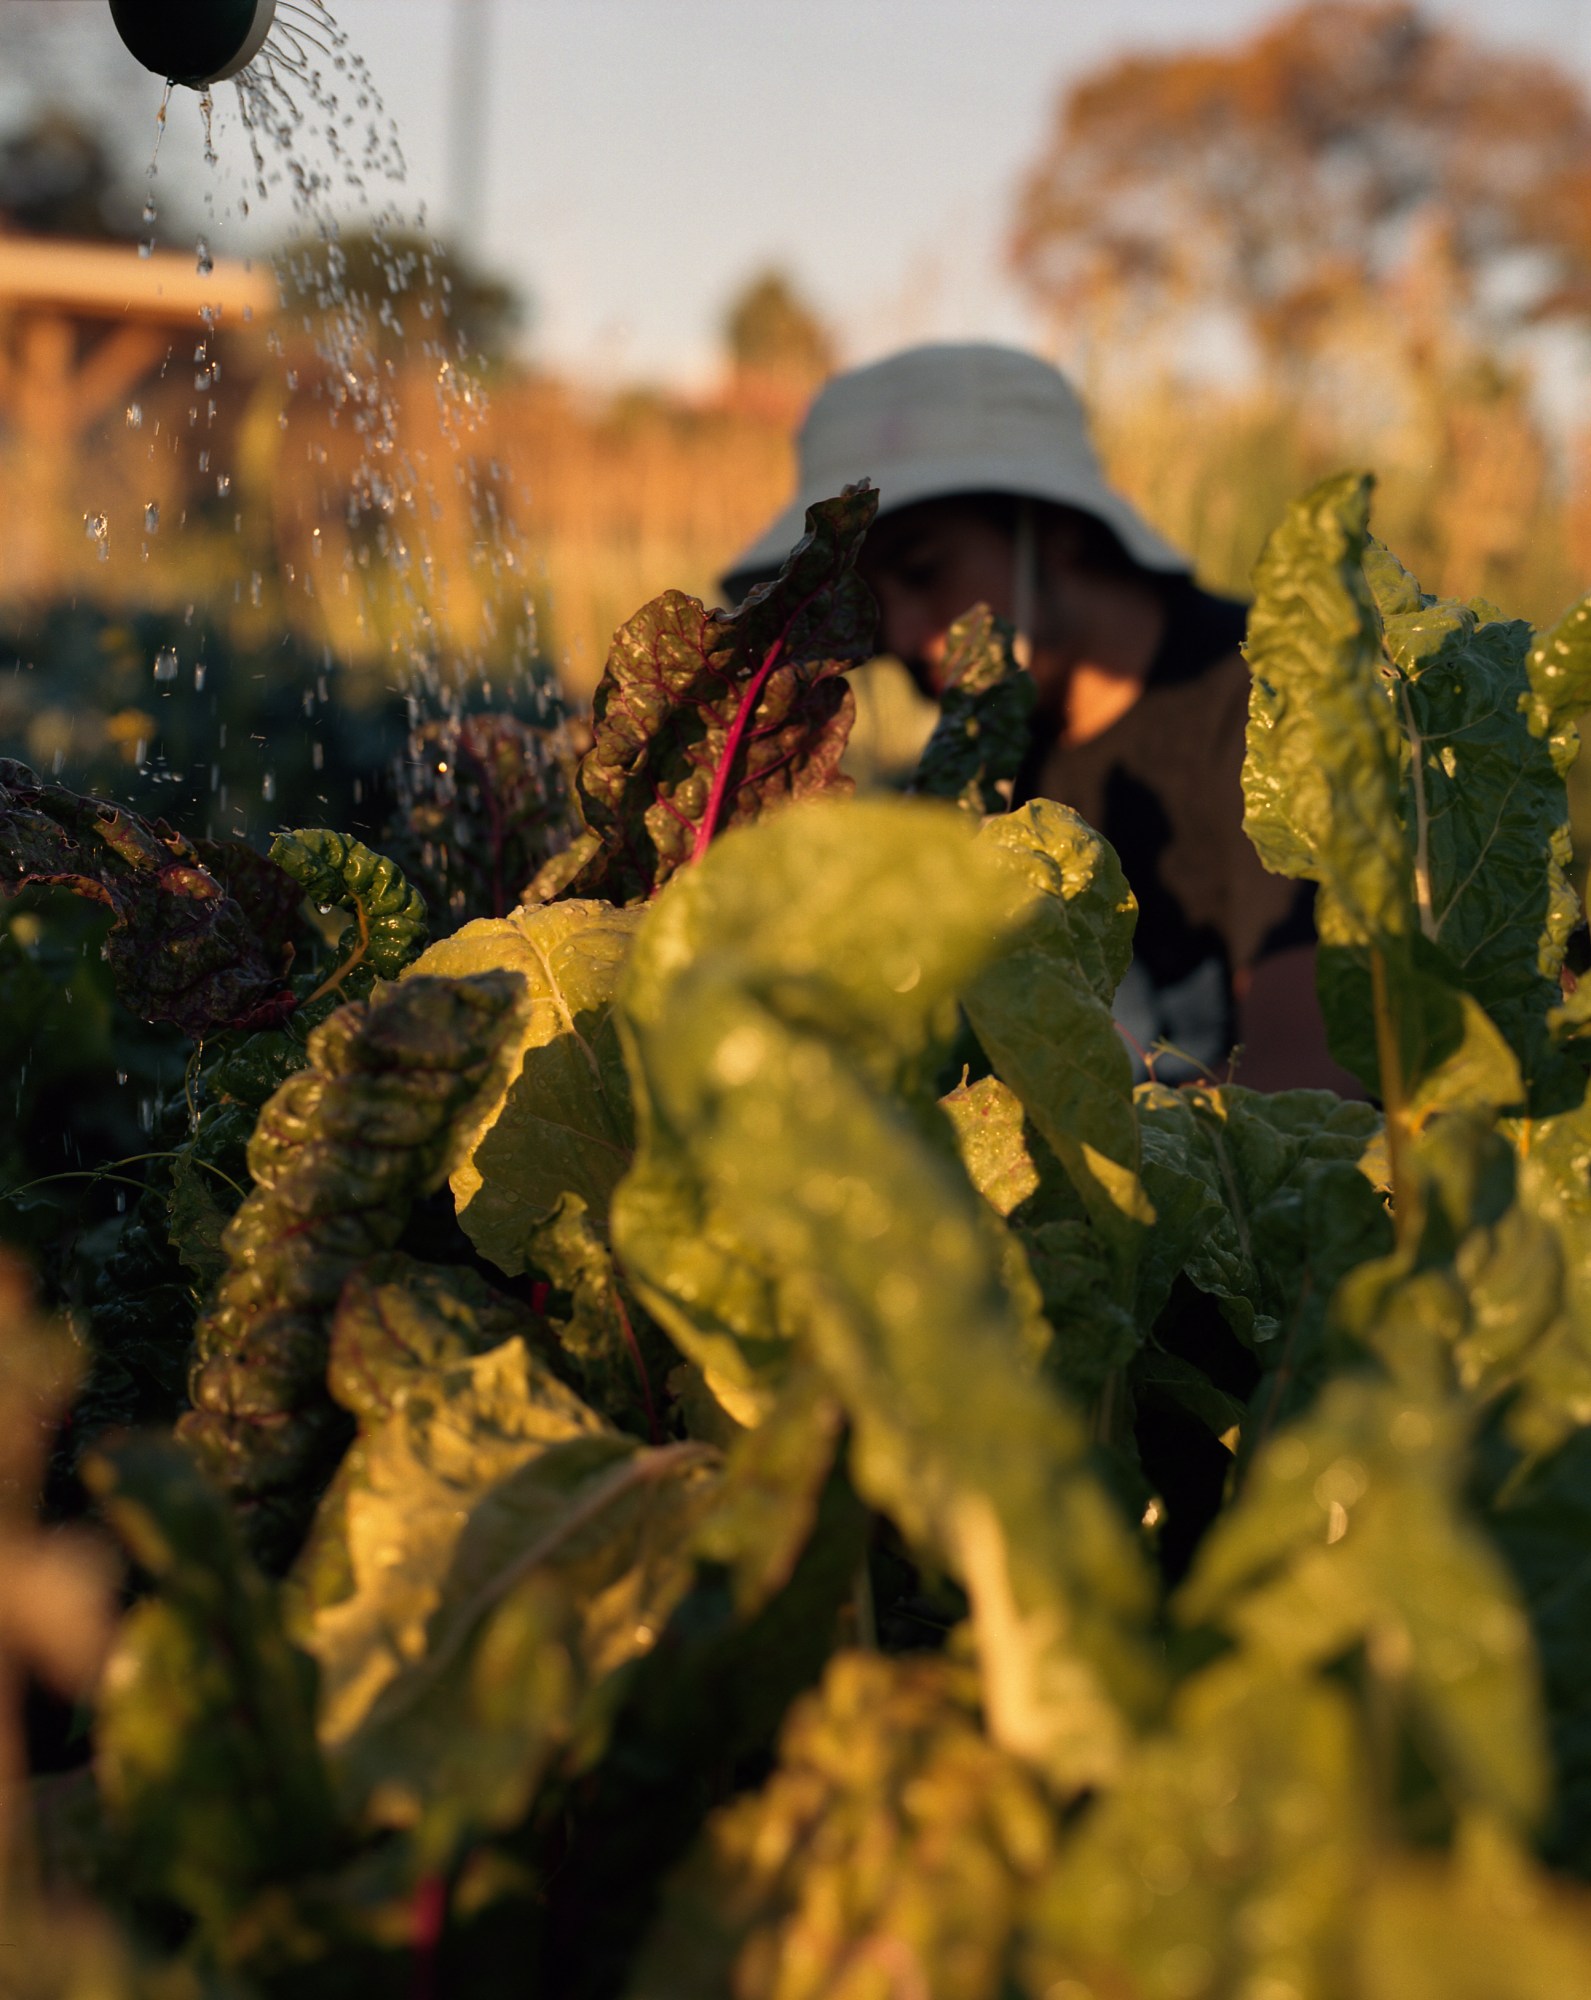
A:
1350	1533
780	1012
180	949
1275	1166
1321	784
889	1853
1229	1859
340	1154
703	719
560	1124
566	1571
205	1736
1041	1008
984	731
1484	808
1395	757
449	1402
861	922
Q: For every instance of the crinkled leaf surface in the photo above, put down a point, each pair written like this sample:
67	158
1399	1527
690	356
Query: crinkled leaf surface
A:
339	1156
561	1122
1484	808
1559	665
443	1419
486	803
618	1358
1041	1009
1321	783
340	873
889	1853
181	950
1265	1160
703	720
565	1572
984	731
775	996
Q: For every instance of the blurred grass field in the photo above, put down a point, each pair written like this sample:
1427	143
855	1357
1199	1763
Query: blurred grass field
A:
613	498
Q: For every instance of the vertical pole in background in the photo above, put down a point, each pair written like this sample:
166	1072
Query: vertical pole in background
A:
467	129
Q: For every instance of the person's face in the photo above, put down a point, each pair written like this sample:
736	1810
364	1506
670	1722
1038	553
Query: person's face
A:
927	565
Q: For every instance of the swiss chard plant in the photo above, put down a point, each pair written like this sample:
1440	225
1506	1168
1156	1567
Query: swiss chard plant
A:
728	1451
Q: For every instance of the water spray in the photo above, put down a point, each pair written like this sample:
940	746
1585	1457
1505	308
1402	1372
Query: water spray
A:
194	42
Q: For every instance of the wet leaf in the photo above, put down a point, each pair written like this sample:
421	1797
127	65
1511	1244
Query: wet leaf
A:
181	950
340	873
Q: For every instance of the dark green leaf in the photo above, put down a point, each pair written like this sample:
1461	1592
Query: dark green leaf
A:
180	948
984	731
338	872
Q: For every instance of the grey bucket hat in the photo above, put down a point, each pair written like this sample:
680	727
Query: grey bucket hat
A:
968	417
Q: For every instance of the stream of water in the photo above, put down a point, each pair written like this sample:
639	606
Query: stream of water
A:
416	525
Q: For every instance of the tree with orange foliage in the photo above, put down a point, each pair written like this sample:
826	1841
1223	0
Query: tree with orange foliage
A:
1304	171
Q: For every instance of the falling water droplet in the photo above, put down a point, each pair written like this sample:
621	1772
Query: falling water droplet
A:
152	518
135	416
166	664
204	263
268	787
198	676
223	483
97	529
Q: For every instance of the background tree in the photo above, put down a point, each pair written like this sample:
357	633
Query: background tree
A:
1310	170
773	335
58	177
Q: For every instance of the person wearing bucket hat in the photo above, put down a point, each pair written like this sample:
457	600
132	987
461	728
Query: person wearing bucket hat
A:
990	491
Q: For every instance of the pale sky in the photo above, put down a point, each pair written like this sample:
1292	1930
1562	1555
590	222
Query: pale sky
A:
639	158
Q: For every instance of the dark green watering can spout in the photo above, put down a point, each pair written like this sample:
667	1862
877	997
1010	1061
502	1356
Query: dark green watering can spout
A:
196	42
